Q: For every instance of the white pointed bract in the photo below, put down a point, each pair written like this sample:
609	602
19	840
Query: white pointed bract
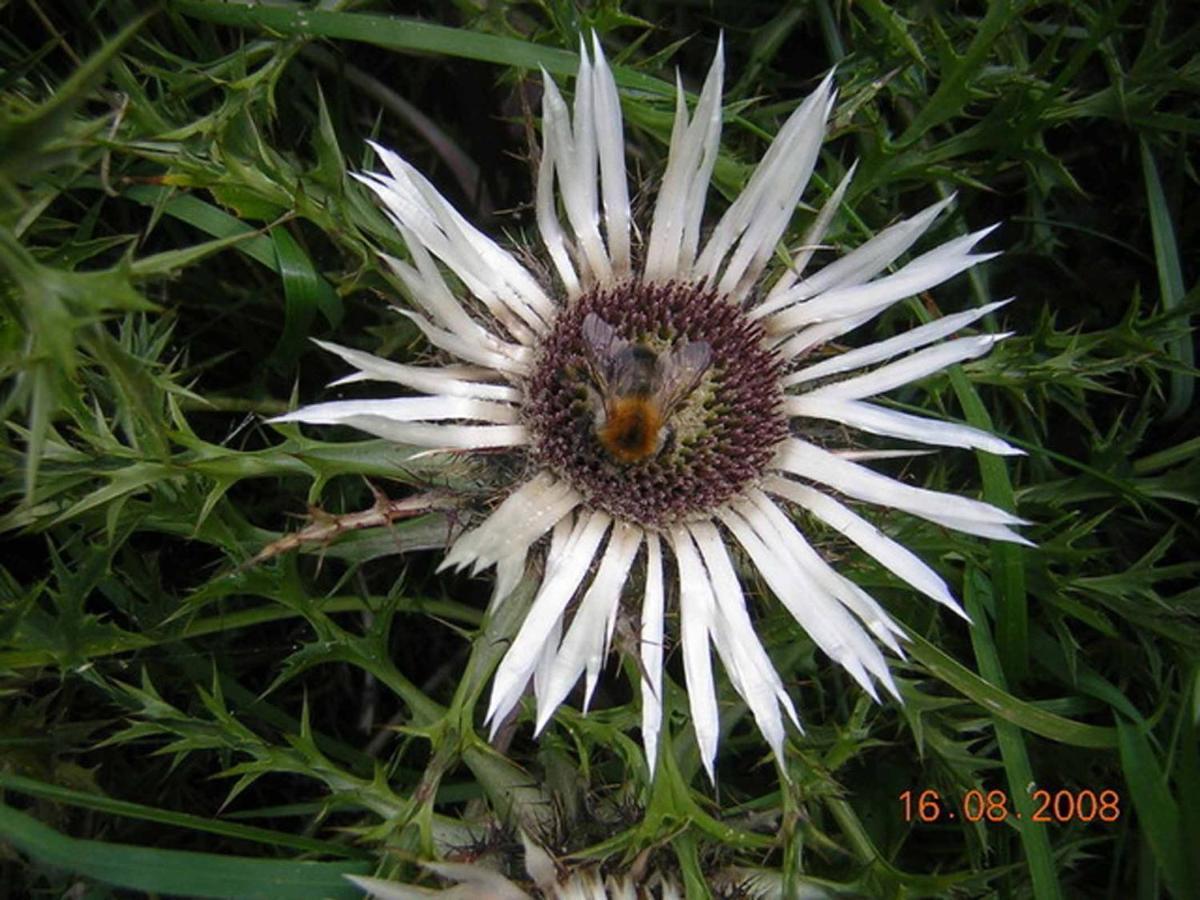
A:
477	881
742	445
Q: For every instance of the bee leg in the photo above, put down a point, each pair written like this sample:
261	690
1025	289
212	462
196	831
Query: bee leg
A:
666	440
597	408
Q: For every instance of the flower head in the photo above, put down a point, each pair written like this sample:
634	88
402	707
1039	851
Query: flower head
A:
665	394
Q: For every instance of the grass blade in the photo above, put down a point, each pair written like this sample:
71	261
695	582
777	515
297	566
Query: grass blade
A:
999	702
178	871
406	35
1158	813
1034	840
1170	284
85	800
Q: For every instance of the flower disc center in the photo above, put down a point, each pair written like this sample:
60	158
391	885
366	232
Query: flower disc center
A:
657	402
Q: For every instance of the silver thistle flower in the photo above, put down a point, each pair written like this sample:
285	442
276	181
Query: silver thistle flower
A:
662	396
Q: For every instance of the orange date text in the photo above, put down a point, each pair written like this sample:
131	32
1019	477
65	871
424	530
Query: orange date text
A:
996	806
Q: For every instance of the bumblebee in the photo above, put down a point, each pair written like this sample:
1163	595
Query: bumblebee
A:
635	391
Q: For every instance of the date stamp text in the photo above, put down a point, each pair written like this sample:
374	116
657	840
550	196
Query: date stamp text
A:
977	805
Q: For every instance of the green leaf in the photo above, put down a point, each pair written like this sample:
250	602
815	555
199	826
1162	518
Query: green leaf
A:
408	35
954	88
86	800
1170	285
1034	841
178	871
1158	814
208	219
246	201
1008	560
304	288
23	137
895	27
300	291
331	166
1004	704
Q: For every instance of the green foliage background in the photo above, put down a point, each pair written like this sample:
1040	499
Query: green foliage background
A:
176	221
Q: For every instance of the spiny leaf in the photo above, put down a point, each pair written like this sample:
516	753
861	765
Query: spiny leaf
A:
23	137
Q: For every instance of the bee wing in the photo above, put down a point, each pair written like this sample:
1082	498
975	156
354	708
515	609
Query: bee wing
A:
679	373
603	345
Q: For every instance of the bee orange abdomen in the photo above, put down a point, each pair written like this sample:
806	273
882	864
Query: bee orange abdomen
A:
631	429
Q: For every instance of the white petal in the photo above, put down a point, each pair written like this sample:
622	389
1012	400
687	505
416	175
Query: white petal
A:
403	409
587	231
666	227
812	237
407	209
911	368
894	557
827	623
868	455
706	123
583	646
753	224
515	285
613	889
913	339
428	289
476	880
509	572
573	150
751	670
986	529
890	423
547	216
675	231
861	264
558	587
815	335
514	364
610	143
871	614
960	513
697	610
841	588
837	586
490	272
545	664
440	437
524	516
924	272
560	542
652	650
796	589
540	865
427	379
381	889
